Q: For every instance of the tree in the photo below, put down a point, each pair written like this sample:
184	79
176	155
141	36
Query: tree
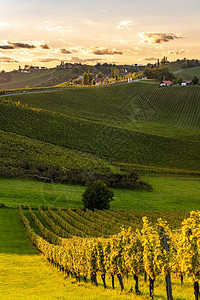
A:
85	79
100	75
116	73
90	77
93	82
180	80
97	195
112	72
158	73
195	80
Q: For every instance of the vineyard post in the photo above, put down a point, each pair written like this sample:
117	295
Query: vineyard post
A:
113	281
196	290
168	277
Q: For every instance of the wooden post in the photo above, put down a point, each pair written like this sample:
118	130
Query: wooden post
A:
196	290
168	277
113	281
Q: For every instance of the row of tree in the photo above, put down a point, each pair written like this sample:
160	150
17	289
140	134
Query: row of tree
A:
159	73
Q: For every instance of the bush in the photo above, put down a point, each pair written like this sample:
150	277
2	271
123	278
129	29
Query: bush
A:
97	195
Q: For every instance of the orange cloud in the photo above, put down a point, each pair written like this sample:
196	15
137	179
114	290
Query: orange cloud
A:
158	38
106	51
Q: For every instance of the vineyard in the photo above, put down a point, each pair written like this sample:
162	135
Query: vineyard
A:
84	245
123	104
18	150
109	142
136	126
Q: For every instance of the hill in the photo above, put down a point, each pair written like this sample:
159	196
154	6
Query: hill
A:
188	74
56	76
42	78
27	80
22	156
184	73
136	123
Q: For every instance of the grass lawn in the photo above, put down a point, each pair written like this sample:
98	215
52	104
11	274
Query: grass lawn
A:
168	194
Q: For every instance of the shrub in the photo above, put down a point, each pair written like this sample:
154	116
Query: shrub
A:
97	195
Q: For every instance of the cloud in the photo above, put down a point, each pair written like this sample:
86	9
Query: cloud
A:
124	24
55	27
65	51
159	37
4	25
5	59
106	51
176	52
20	45
48	59
6	47
44	46
90	22
80	60
150	58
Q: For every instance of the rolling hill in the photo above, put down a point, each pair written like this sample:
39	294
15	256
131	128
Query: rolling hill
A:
44	78
137	124
185	74
188	74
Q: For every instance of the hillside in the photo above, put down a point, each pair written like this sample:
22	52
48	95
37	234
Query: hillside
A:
188	74
139	123
44	78
55	76
123	105
184	73
27	80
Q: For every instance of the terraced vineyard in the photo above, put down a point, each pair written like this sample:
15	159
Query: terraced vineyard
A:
93	245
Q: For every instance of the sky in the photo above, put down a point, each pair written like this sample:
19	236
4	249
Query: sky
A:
46	32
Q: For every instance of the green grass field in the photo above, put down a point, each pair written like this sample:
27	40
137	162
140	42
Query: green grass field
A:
188	74
169	194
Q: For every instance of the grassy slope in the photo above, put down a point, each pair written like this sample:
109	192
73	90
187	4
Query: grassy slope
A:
23	80
188	74
49	77
169	194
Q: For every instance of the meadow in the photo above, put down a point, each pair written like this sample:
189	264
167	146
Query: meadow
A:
188	74
169	194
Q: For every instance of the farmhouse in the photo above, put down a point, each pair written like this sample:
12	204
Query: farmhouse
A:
187	82
166	83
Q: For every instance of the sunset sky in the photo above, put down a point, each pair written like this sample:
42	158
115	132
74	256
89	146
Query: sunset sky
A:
43	33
